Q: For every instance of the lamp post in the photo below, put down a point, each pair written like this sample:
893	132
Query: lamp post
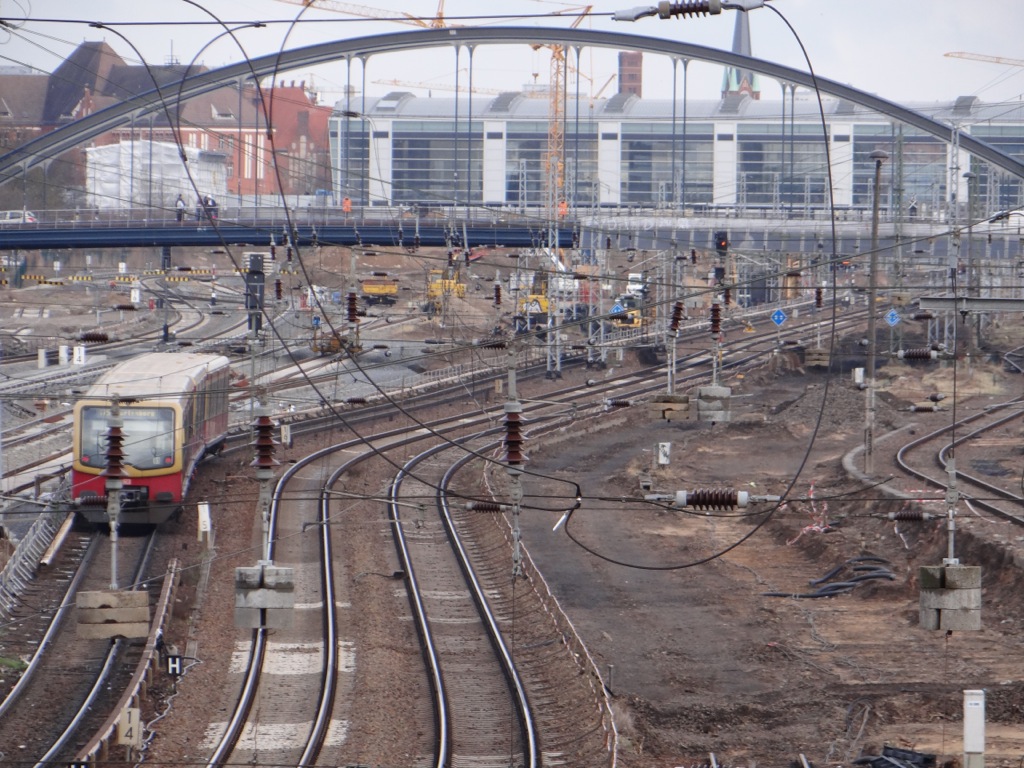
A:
869	420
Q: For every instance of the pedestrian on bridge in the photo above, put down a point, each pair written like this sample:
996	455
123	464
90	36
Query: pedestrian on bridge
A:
179	209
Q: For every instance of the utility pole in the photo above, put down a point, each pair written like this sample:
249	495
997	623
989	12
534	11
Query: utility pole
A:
869	419
513	459
114	482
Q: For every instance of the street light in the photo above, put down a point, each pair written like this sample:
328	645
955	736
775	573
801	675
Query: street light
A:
869	420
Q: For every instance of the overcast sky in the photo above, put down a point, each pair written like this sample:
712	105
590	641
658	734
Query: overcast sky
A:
893	48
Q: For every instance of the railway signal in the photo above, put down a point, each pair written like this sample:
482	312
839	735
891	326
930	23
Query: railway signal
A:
722	243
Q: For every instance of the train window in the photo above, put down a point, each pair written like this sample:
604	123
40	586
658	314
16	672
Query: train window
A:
148	436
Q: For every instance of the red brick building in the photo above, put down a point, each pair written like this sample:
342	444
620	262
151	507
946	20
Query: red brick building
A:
232	120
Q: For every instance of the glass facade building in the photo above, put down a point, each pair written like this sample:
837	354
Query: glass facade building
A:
743	155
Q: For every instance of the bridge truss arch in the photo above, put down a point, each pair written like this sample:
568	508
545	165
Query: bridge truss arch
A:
40	150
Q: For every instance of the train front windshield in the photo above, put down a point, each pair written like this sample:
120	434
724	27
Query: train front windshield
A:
148	436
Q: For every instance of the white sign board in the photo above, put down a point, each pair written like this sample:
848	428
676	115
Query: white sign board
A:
129	727
664	453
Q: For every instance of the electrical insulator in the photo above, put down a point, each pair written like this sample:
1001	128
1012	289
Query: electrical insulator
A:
93	500
497	295
485	506
115	453
910	514
278	290
819	298
264	444
922	316
126	307
921	353
618	403
288	254
514	434
684	8
273	251
465	257
451	258
693	255
94	336
712	498
416	242
356	400
727	296
677	316
716	318
353	307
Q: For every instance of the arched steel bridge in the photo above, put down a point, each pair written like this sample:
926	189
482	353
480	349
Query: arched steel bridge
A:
38	151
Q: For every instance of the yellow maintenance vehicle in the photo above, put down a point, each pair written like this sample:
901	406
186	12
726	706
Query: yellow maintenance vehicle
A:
442	283
627	312
379	290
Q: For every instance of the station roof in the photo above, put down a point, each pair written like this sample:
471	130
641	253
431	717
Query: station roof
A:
404	105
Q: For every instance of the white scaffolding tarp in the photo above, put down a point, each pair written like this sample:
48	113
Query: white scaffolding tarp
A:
136	174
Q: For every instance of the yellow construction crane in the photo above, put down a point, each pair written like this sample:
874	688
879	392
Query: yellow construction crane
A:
986	57
366	12
554	163
554	160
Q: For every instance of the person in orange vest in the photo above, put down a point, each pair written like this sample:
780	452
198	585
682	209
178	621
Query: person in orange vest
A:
563	208
346	205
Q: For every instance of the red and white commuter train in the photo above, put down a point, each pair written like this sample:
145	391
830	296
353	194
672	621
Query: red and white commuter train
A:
174	410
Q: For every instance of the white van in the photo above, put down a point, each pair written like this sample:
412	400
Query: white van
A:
17	217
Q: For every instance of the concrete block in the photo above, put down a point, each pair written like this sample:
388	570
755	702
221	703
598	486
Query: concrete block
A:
928	618
963	577
949	577
816	357
277	619
678	407
950	599
966	620
113	615
931	577
247	618
264	598
279	578
112	599
249	577
107	631
717	416
711	392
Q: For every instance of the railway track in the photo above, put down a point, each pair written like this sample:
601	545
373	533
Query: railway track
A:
974	440
69	678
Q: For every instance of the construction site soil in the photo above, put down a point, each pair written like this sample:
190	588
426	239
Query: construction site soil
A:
681	608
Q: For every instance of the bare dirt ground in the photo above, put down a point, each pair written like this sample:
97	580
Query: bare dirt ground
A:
700	660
